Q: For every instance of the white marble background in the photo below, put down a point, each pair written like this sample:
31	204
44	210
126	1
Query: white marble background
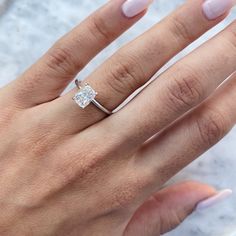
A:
27	30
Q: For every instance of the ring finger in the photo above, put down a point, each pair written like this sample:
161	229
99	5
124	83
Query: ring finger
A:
132	66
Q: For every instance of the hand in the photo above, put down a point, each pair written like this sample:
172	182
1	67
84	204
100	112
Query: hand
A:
72	171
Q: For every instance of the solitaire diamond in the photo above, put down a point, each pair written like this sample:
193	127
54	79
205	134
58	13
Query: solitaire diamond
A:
85	96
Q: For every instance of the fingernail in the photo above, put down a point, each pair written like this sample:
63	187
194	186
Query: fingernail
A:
215	8
132	8
219	197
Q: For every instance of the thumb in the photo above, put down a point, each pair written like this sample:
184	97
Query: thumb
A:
170	206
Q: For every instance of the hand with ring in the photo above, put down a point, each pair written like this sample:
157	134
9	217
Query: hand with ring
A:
74	164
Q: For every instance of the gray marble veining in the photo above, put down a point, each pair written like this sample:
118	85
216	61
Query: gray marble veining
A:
29	27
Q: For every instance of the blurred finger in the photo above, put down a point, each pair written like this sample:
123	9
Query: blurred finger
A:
166	209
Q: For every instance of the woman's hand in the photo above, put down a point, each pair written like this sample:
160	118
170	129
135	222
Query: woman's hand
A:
69	171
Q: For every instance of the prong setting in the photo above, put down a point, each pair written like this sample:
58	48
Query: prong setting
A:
85	96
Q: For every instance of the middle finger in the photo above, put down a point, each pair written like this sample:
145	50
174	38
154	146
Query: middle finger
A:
181	88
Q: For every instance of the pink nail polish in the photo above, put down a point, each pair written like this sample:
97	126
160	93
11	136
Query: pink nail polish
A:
132	8
220	196
215	8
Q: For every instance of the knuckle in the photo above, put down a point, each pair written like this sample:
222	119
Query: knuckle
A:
82	164
186	90
98	28
212	126
172	219
181	30
66	173
127	192
123	197
60	59
126	75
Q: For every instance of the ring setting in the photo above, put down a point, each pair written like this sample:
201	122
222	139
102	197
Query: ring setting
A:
86	95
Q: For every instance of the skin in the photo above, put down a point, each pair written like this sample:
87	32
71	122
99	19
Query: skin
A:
68	171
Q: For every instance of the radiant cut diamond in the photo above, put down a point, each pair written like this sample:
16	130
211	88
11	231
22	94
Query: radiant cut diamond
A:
85	96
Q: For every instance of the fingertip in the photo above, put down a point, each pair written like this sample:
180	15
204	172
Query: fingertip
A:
132	8
214	200
215	8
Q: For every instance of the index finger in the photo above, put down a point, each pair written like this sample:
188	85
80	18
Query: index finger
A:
45	80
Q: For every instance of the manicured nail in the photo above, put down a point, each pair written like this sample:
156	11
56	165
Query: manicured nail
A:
215	8
220	196
132	8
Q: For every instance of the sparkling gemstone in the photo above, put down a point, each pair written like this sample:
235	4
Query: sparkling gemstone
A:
85	96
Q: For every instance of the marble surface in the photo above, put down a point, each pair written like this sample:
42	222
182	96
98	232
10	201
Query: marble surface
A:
27	30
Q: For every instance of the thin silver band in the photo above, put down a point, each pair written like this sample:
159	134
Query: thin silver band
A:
79	85
101	107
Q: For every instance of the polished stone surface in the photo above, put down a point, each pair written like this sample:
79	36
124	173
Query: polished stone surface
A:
29	27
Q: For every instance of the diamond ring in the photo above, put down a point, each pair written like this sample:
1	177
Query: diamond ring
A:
87	95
